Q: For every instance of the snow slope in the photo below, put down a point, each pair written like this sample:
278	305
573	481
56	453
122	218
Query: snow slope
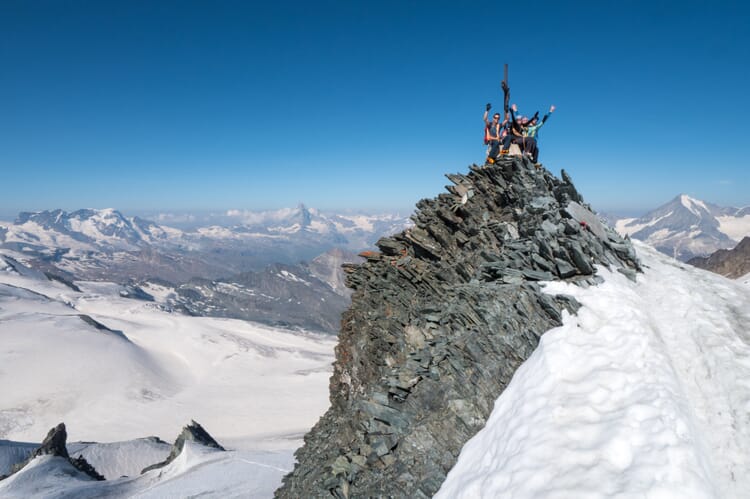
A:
115	459
644	393
12	453
197	472
151	372
115	369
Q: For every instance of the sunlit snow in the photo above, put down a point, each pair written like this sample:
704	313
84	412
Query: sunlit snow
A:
644	393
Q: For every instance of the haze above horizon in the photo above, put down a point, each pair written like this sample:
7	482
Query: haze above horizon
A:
191	106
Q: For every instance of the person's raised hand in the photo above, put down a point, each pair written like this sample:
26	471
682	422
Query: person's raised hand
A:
488	106
514	108
552	109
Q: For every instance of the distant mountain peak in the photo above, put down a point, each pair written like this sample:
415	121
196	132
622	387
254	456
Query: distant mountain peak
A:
304	216
687	227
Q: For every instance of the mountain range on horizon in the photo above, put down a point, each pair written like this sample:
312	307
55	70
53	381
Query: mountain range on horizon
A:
279	267
77	242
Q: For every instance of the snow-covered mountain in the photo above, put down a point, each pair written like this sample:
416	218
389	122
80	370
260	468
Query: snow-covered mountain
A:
83	230
104	244
685	227
353	230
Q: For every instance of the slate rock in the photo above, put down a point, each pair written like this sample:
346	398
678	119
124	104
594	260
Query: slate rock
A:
440	321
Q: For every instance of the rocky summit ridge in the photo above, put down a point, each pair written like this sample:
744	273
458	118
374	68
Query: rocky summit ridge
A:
441	317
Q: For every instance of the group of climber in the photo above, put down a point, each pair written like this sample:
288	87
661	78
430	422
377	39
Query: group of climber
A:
514	129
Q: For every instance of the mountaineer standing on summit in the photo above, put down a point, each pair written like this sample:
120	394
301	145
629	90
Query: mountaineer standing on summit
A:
492	134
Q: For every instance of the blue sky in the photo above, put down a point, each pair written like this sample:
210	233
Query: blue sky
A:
212	105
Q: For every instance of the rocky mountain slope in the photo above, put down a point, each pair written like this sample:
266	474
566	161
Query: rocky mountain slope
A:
685	227
440	319
733	263
310	295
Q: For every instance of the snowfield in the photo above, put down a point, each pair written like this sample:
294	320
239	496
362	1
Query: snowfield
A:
117	369
151	372
644	393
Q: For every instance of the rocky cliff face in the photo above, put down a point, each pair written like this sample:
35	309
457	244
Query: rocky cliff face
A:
440	319
733	263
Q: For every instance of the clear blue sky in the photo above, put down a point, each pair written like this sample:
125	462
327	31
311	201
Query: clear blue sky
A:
234	104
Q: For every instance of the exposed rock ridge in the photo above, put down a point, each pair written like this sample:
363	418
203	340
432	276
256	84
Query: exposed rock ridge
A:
440	319
193	432
54	445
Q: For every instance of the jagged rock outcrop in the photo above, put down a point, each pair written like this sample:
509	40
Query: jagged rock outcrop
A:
193	433
440	319
54	445
733	263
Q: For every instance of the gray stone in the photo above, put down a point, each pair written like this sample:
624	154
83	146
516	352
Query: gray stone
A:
550	228
193	433
437	326
564	269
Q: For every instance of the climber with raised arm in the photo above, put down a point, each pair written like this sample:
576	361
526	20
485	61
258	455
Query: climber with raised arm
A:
531	145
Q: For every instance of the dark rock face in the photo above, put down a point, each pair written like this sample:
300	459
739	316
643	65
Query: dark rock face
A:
54	445
733	263
193	433
440	319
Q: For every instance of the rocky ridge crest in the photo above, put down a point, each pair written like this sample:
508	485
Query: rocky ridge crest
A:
193	432
440	319
54	444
